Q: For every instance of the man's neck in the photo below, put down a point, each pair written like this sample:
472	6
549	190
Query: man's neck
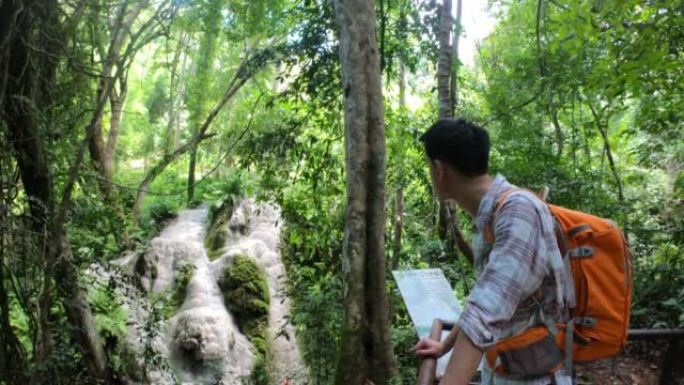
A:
470	193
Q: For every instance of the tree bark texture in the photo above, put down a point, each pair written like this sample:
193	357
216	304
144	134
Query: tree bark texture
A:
446	24
455	62
366	349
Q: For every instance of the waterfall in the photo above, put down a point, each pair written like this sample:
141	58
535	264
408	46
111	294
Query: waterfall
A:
201	342
205	343
254	231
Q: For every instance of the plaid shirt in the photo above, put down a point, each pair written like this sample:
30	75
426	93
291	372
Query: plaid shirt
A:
523	259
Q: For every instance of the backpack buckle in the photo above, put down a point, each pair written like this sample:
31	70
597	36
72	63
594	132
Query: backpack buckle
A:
581	252
587	322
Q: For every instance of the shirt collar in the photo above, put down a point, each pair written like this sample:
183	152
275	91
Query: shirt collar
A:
488	202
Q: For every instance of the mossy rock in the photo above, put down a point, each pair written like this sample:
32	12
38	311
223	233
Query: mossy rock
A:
170	300
215	239
180	284
245	288
219	216
260	372
245	291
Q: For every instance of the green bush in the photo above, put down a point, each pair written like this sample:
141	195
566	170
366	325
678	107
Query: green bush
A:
659	289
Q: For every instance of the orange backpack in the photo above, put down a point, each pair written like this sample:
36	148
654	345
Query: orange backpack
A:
601	266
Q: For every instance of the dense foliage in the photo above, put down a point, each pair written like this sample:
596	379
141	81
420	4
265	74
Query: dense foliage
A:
204	100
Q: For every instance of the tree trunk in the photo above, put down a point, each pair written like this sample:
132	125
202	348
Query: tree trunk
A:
446	22
402	85
446	89
603	130
116	104
12	355
191	175
101	152
175	82
398	226
560	138
453	89
366	352
28	151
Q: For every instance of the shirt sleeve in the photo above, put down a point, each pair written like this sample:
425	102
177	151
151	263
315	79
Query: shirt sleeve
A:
514	271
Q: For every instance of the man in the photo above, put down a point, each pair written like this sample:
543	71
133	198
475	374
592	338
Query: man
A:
519	274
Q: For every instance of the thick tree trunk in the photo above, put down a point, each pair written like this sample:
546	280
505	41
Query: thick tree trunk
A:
12	355
366	348
28	151
116	104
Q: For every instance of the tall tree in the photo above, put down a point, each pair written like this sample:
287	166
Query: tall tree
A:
366	349
123	44
455	62
446	54
197	95
446	93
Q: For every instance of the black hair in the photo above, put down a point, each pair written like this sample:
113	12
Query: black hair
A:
461	144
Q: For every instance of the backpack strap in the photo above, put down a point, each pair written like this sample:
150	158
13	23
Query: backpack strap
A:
541	195
489	229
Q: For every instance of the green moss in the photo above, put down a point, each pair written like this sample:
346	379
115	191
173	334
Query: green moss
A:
180	284
246	293
219	215
215	239
170	300
260	372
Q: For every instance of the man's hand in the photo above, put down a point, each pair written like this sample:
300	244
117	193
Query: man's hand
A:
427	347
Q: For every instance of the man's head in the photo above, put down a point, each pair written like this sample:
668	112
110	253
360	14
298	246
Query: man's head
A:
458	151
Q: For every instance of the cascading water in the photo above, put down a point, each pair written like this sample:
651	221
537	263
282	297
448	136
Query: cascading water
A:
205	343
202	342
254	231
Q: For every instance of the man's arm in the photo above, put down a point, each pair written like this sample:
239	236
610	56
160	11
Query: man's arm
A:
464	360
